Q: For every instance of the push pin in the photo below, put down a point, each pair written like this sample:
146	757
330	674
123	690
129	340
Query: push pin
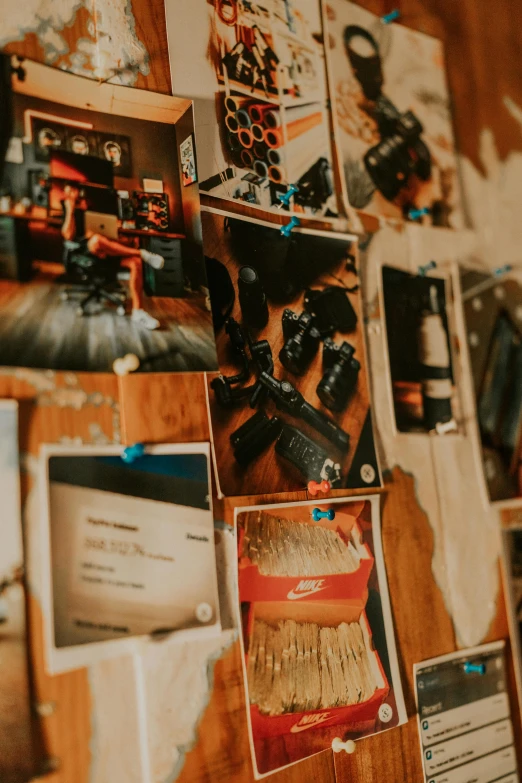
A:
317	514
284	198
287	230
423	270
443	427
132	453
474	668
415	214
338	745
391	17
502	270
126	364
314	487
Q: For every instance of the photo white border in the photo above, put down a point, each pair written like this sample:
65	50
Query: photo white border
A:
59	660
380	565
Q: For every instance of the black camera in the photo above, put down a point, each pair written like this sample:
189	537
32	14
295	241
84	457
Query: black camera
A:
301	341
340	378
400	153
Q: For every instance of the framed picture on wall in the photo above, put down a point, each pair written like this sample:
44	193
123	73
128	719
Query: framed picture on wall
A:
117	149
188	161
82	142
47	136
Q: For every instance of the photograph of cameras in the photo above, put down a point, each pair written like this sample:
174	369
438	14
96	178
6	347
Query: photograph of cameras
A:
419	350
392	119
291	402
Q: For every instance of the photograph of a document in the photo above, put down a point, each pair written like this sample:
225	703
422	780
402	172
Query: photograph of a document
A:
129	549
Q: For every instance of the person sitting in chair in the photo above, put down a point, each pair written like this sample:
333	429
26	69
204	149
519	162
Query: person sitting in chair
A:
97	245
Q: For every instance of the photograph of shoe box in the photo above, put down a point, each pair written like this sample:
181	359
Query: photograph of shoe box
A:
346	625
286	555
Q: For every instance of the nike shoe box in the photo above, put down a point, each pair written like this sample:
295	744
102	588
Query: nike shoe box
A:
257	586
360	718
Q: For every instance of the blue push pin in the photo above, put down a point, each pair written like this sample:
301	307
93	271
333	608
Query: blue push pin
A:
284	198
474	668
502	270
426	268
415	214
317	514
287	230
132	453
391	17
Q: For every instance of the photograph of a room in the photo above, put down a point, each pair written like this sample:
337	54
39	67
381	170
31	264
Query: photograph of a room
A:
100	236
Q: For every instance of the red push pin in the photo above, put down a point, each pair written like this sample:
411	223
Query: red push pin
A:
314	487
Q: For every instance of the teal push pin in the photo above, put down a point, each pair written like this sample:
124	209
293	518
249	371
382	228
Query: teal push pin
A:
287	230
132	453
474	668
317	514
284	198
415	214
423	270
391	17
502	270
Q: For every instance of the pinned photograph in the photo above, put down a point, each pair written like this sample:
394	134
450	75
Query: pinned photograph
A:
493	322
419	351
128	550
97	267
392	117
291	402
256	74
320	663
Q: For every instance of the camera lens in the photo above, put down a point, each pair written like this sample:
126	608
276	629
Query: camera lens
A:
293	355
252	298
330	388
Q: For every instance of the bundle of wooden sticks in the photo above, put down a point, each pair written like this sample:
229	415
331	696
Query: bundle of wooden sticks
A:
283	547
298	667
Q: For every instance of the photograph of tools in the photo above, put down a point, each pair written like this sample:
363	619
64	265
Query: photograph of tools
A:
291	403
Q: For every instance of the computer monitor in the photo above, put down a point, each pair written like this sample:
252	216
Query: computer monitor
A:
81	168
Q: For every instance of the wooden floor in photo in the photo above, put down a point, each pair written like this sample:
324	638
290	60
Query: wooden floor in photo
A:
39	330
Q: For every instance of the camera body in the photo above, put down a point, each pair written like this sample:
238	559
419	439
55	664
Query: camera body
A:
401	151
340	377
302	340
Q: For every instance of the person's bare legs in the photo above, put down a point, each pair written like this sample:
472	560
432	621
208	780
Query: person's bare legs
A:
101	247
135	281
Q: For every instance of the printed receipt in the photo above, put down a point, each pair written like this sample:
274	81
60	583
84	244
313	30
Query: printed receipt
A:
463	711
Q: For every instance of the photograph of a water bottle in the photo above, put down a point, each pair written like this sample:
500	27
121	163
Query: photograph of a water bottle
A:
419	350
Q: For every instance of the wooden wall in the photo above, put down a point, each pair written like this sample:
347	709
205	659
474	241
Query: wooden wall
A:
483	49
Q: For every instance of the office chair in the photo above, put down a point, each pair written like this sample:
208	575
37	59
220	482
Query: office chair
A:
97	278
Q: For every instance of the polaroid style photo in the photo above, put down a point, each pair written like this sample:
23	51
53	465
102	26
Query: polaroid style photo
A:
256	74
392	117
464	716
419	351
492	310
291	402
319	656
128	550
96	275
